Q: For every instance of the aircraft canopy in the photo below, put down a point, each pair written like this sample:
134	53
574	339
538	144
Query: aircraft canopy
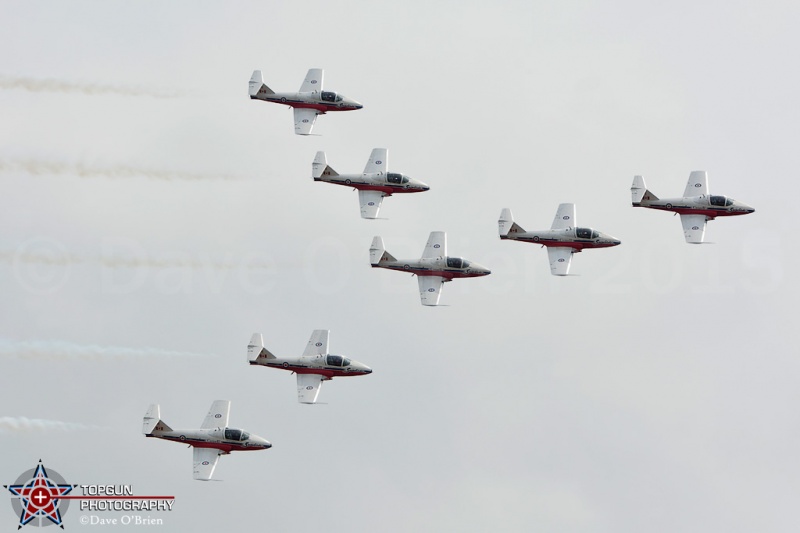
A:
720	201
586	233
337	360
330	96
236	434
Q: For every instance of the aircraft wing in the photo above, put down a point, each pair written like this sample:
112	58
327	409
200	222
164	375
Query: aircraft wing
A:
697	185
436	245
694	228
318	343
560	259
370	203
378	161
430	289
304	119
313	81
205	461
217	416
308	386
565	217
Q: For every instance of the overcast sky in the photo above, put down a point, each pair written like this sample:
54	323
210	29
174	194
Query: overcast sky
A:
154	217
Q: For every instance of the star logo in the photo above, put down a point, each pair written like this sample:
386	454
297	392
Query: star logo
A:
36	497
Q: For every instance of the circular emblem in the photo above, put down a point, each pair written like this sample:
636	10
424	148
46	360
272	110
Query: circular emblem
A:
318	344
437	245
313	81
431	290
205	463
668	206
371	203
36	497
183	437
305	120
565	217
378	162
309	388
561	260
285	365
406	267
697	185
695	227
217	415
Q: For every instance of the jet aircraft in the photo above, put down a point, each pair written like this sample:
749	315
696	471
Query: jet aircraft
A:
373	184
311	100
433	269
214	438
312	368
562	239
695	208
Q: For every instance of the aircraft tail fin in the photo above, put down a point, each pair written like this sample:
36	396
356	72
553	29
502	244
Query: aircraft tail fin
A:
378	253
257	85
639	192
320	167
152	423
506	224
256	351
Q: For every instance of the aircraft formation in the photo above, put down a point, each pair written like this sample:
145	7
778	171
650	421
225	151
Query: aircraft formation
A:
433	269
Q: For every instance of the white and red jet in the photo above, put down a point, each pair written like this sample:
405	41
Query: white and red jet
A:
214	438
695	208
562	240
373	184
433	269
311	100
316	364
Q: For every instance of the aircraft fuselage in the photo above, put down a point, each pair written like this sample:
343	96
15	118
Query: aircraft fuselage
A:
445	267
213	438
576	238
329	365
312	100
710	206
388	184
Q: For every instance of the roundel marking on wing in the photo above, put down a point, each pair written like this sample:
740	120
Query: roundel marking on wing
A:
318	344
305	120
309	388
565	217
217	415
561	260
695	227
431	290
371	203
313	81
379	162
205	463
437	245
697	185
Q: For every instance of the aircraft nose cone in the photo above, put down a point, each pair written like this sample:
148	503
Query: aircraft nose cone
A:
368	371
267	445
617	242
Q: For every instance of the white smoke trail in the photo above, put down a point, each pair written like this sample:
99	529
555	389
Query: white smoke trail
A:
20	424
60	86
62	350
38	168
64	259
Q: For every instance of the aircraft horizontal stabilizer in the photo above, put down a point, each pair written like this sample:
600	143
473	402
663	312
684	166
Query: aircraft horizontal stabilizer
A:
320	167
507	225
639	191
378	253
152	422
256	351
